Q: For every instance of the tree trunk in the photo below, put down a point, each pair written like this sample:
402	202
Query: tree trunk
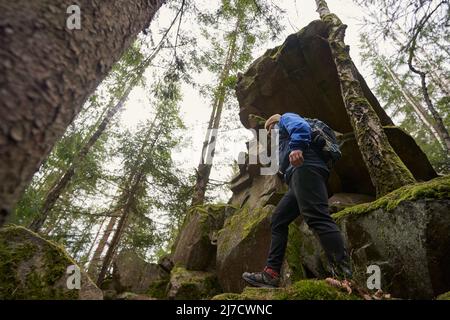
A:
417	107
387	171
128	195
95	241
439	123
97	257
47	72
59	187
205	165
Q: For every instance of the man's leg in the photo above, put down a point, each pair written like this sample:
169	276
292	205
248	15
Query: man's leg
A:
309	186
286	211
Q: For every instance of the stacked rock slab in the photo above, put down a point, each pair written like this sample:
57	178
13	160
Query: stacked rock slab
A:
300	76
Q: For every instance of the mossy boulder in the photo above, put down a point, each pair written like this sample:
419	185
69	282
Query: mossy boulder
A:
131	273
444	296
33	268
192	285
300	290
242	246
406	233
196	244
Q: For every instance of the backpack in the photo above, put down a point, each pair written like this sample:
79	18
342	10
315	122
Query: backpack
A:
324	139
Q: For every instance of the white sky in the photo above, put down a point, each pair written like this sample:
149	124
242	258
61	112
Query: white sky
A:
196	109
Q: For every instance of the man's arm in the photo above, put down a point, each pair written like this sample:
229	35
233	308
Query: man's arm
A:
300	136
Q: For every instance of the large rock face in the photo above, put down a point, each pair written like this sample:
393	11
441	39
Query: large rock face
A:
300	76
406	233
133	274
196	245
34	268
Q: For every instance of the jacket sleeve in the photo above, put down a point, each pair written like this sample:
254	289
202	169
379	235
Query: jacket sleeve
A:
298	129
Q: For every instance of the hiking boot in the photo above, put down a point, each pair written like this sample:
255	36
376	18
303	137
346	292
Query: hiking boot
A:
342	270
268	278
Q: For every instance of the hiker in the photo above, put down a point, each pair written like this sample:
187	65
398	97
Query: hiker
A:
305	168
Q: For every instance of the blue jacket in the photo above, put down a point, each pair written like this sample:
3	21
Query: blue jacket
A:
295	134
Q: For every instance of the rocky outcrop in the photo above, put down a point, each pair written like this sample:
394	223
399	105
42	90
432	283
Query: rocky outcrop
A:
34	268
300	76
301	290
131	273
192	285
196	245
406	233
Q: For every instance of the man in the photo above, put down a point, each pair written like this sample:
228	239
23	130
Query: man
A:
305	170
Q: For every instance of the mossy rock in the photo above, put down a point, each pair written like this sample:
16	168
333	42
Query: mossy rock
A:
438	188
300	290
158	289
33	268
195	247
444	296
192	285
242	246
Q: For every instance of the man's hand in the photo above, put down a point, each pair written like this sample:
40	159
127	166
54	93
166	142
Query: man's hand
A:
296	158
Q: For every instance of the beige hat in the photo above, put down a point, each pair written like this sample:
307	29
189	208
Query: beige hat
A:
272	119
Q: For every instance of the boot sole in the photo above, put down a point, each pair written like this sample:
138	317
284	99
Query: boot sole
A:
258	284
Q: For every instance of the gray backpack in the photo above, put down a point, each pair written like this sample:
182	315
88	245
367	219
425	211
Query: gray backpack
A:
324	139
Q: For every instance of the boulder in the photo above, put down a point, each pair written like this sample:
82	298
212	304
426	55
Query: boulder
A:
133	296
33	268
340	201
196	243
444	296
299	76
131	273
192	285
255	190
300	290
242	246
166	263
405	233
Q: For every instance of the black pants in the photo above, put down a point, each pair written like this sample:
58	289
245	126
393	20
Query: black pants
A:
307	195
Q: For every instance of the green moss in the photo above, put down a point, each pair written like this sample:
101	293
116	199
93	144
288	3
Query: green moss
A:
45	264
438	188
194	285
293	254
301	290
444	296
158	289
211	215
242	225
